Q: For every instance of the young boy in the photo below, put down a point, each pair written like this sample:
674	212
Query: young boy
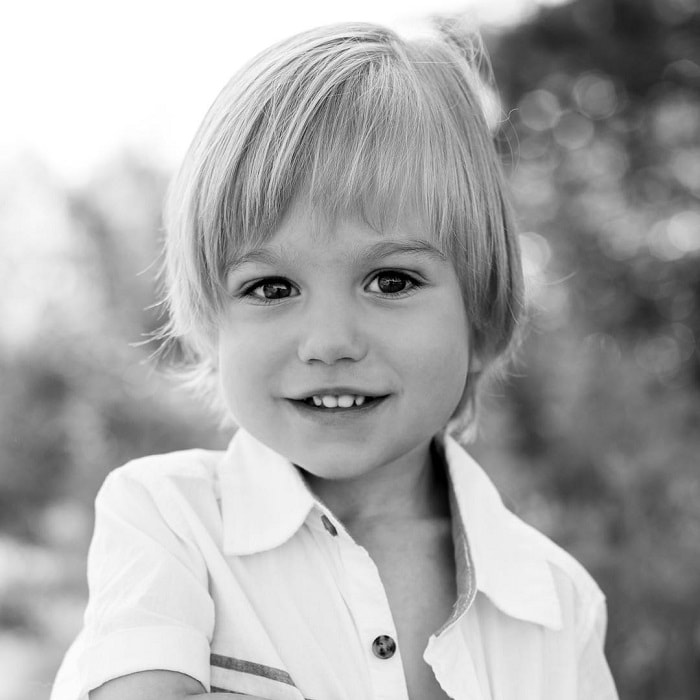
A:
343	267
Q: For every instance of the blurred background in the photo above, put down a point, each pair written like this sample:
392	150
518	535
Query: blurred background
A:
594	438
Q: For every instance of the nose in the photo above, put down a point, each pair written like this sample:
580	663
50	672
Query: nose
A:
331	332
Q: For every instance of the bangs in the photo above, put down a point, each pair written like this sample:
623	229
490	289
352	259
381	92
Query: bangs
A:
367	132
358	150
366	151
354	144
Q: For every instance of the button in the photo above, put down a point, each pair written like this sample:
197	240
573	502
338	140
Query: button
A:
384	646
329	525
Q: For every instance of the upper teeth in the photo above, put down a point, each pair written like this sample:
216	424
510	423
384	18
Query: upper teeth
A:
333	401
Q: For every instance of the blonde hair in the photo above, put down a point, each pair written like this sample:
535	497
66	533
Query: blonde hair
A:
361	122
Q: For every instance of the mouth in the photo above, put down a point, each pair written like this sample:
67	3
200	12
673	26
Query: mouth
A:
333	403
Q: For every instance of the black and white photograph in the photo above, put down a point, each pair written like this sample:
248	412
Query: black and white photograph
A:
349	351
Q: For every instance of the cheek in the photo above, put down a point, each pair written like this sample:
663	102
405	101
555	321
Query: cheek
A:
254	354
436	351
449	361
242	368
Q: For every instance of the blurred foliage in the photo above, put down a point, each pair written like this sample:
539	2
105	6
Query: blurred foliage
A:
601	419
594	438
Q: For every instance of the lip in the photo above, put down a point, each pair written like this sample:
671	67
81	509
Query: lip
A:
337	391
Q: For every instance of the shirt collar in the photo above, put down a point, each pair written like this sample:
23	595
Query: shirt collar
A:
508	558
265	500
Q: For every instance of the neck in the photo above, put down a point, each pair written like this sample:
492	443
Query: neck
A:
411	487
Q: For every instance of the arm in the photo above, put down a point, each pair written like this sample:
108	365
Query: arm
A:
149	605
158	685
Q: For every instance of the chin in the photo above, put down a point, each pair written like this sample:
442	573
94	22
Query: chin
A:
337	463
332	469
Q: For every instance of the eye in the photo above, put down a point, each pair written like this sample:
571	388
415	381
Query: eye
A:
270	290
392	283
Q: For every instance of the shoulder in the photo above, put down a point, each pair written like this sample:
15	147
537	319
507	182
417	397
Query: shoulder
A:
563	565
168	486
580	597
153	471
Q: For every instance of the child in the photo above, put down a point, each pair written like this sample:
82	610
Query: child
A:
343	267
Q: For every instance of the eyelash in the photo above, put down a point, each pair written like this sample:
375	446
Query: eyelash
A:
248	291
413	282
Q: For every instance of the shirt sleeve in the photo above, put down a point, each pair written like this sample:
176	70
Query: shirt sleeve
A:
149	605
595	680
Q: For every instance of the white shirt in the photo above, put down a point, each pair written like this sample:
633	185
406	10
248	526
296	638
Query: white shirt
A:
225	567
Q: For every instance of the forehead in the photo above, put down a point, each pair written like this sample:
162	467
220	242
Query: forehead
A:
307	232
358	220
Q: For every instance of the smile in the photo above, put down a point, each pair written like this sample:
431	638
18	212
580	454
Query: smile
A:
336	403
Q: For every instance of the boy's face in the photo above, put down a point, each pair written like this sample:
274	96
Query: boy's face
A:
341	314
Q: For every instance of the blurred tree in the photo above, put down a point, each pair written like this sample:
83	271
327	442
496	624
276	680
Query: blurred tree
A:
78	396
604	409
119	216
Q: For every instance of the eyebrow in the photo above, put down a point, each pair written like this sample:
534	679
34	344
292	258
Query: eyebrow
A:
382	249
261	255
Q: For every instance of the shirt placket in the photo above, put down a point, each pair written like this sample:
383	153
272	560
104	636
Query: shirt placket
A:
366	599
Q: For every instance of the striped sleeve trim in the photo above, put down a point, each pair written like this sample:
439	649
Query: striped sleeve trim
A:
255	669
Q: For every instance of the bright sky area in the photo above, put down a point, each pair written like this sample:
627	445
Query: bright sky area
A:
82	80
